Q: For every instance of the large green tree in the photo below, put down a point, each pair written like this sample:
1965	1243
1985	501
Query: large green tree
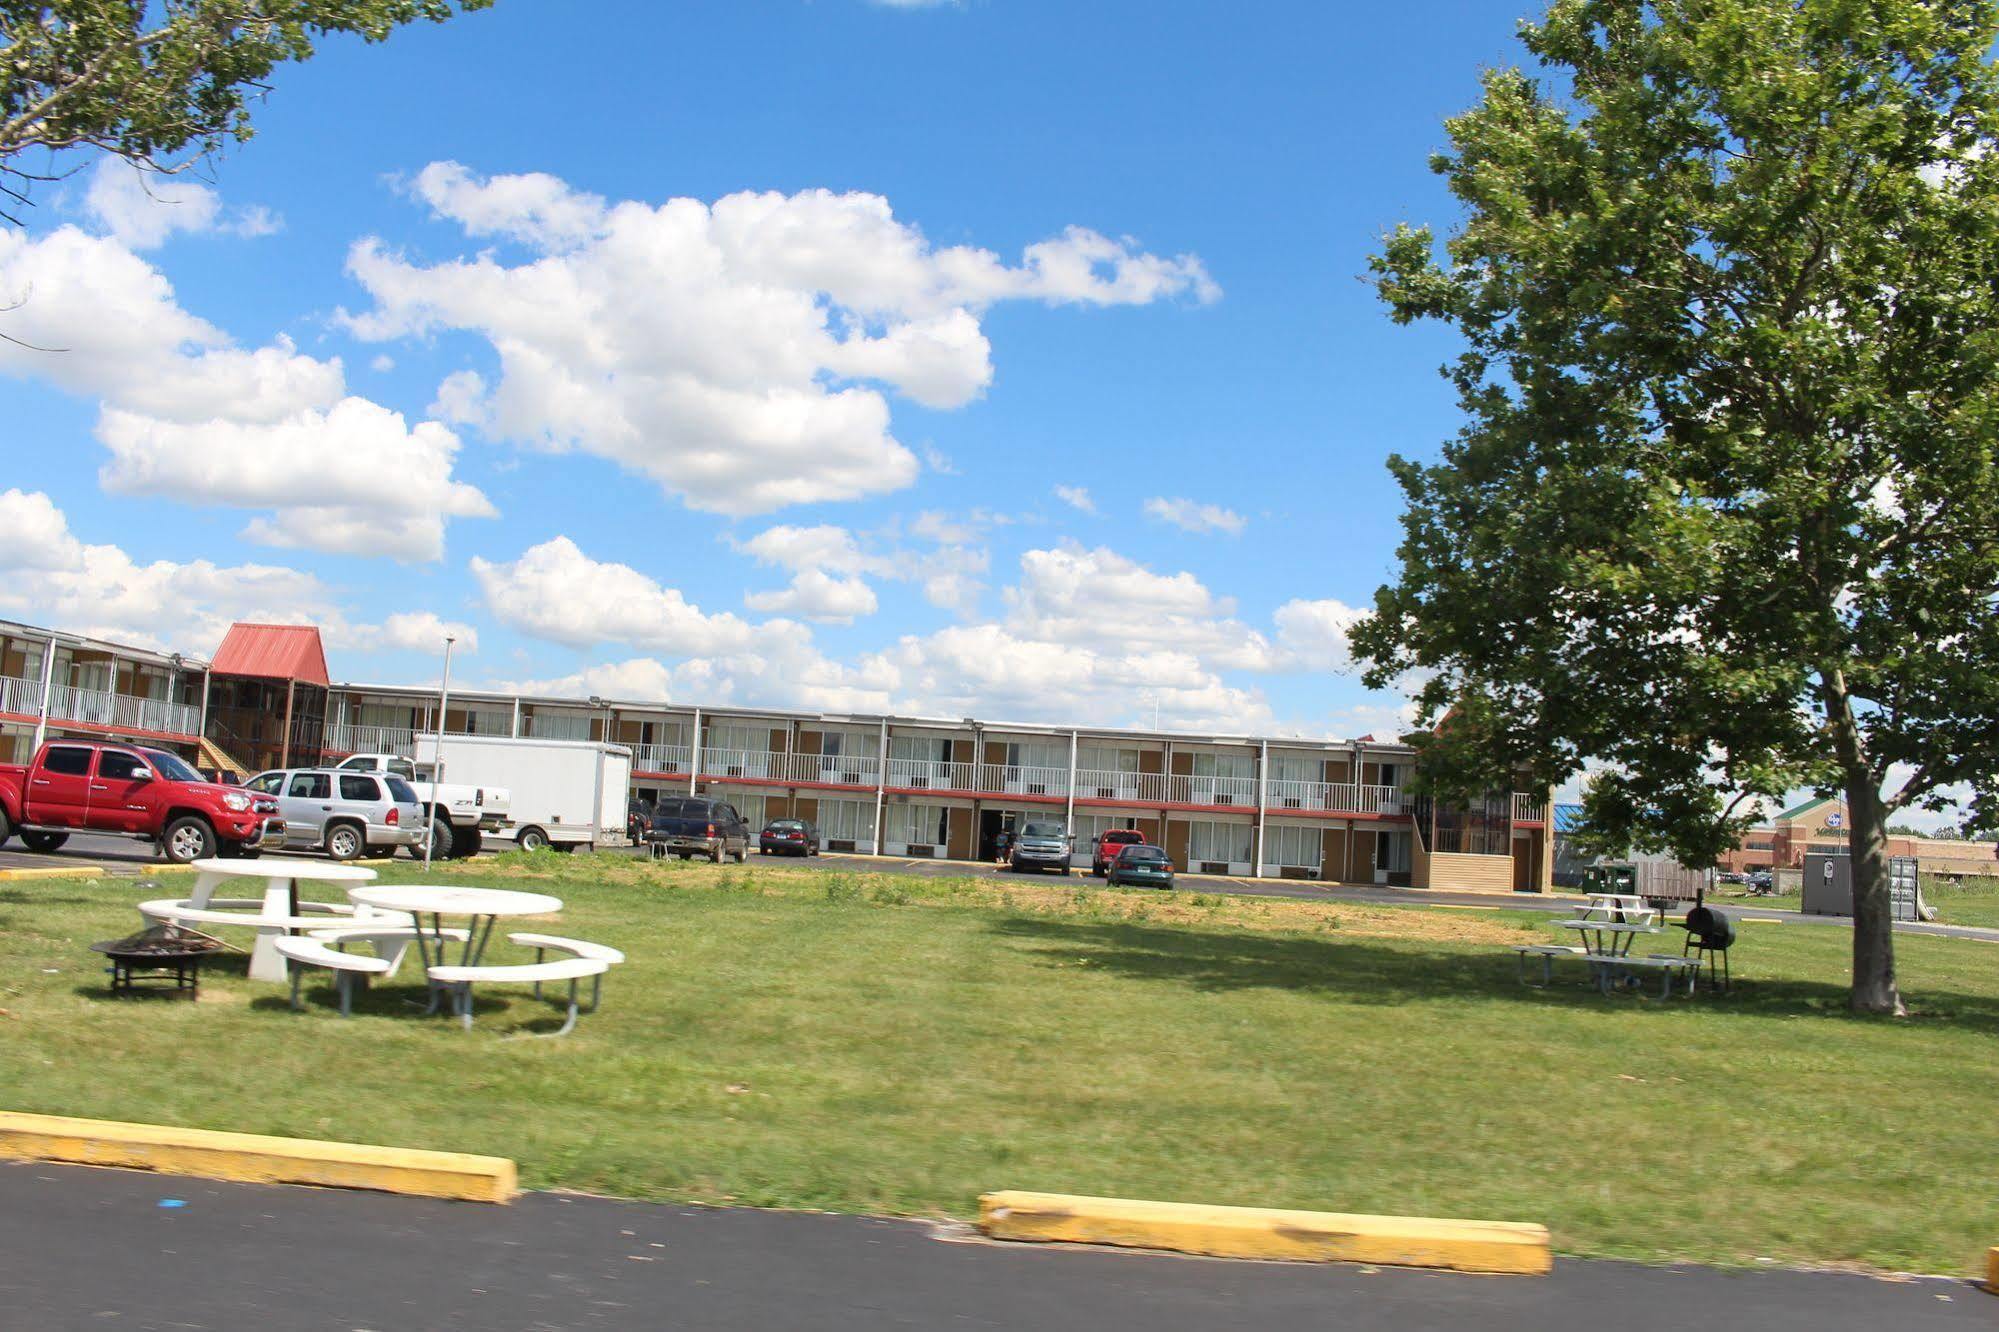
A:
1724	515
159	82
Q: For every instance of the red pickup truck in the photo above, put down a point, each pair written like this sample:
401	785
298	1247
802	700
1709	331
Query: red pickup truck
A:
84	786
1109	843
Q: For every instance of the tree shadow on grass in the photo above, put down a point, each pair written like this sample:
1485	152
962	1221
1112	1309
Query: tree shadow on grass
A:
1373	972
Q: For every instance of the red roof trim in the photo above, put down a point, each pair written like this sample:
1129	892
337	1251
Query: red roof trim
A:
273	652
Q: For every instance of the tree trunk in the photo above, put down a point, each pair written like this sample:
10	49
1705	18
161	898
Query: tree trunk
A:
1874	988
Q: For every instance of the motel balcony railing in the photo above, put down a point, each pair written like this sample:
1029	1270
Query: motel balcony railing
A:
1023	779
1337	797
344	738
98	707
23	698
1529	809
932	775
670	759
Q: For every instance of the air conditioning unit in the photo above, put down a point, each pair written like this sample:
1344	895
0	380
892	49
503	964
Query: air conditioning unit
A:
1213	867
851	778
839	844
1222	798
1292	802
733	770
1297	872
920	783
1037	788
1106	793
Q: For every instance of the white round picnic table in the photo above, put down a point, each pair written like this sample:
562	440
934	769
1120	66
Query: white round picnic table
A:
481	906
274	911
276	871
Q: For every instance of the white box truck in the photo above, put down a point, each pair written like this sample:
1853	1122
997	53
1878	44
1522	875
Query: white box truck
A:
565	793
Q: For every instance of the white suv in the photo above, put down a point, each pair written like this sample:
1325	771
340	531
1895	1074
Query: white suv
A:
345	814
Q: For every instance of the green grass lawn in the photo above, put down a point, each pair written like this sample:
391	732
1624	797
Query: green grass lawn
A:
863	1043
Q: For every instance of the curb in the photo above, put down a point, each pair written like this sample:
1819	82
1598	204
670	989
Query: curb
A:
252	1158
1992	1270
78	870
1506	1247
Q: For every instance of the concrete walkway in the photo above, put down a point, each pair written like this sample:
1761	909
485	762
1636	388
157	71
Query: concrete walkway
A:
83	1248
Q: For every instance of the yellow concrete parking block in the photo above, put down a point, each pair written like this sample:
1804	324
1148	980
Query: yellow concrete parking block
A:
74	870
1269	1233
256	1159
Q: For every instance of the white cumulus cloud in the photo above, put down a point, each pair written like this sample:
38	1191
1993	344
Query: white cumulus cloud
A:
735	352
187	413
1194	516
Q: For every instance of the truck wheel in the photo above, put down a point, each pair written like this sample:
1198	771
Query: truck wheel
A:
44	842
743	856
188	839
345	842
439	842
532	839
465	842
6	828
715	856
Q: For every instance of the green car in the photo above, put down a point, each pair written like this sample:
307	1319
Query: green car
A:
1141	867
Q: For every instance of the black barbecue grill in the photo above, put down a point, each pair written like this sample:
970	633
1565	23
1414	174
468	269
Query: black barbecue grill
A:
162	957
1710	934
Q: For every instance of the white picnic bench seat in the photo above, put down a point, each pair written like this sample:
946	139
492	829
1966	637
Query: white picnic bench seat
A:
1547	953
304	951
546	943
390	941
459	980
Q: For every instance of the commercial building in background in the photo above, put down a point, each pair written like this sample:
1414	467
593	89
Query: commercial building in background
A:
1265	807
1821	825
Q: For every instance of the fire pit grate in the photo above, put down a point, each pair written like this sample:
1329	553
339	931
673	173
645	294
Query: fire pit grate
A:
159	957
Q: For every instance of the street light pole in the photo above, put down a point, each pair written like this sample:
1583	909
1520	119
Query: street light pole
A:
437	758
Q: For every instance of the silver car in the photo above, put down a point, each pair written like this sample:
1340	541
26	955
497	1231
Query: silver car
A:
345	814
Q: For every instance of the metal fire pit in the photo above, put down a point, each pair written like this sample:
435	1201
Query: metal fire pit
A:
161	957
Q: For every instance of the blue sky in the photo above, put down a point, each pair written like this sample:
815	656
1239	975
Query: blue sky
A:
435	349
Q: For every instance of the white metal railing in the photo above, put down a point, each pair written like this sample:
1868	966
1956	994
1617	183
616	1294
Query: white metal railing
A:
834	769
20	696
1189	790
932	775
1020	779
121	711
345	738
660	758
1102	784
1529	809
753	763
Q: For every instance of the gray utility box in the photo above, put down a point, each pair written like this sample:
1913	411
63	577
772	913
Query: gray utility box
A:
1829	886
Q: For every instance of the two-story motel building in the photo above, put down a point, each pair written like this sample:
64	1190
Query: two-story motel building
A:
1249	806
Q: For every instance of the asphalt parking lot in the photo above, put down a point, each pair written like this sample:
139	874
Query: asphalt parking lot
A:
86	1248
125	857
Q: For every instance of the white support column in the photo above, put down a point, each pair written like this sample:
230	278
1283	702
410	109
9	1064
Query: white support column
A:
1070	826
1262	800
515	730
881	782
207	673
48	687
694	754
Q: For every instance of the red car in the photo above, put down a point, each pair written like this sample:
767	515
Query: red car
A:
1109	843
85	786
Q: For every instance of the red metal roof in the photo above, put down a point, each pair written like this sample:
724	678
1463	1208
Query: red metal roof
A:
273	652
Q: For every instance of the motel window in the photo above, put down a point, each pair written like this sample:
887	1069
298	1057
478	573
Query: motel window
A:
1296	847
847	820
545	725
1037	754
1209	764
918	825
1107	758
1211	841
